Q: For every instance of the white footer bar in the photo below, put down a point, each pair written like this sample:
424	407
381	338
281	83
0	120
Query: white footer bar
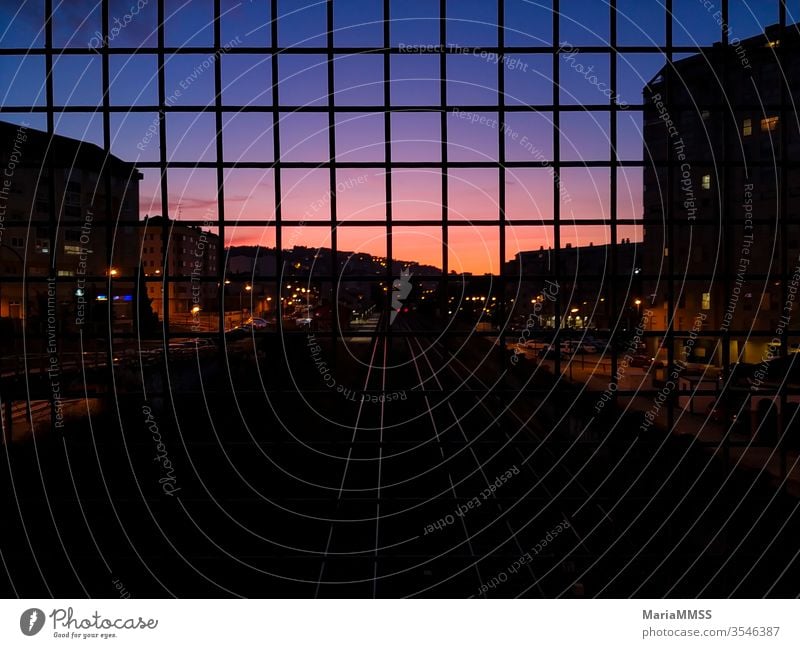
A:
399	623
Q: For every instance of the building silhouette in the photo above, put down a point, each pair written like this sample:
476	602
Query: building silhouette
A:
719	196
183	261
58	233
586	285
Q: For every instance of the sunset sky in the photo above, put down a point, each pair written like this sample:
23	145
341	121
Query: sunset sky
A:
473	135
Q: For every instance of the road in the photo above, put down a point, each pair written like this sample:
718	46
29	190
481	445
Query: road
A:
393	464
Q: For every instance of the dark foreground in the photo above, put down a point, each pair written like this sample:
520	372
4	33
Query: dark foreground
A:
265	474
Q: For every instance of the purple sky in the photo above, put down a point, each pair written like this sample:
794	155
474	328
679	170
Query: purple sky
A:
473	135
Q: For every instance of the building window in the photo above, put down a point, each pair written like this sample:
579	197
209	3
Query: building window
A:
747	127
17	242
72	249
706	301
706	182
73	195
769	123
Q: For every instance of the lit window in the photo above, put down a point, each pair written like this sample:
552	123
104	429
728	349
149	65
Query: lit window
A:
72	249
769	123
706	301
705	114
747	127
706	182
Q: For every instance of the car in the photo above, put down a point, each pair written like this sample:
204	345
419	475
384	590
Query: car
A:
577	346
202	344
237	332
178	348
256	323
623	344
640	360
767	375
533	345
304	321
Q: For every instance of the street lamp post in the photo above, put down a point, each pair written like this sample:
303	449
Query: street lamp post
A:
248	288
